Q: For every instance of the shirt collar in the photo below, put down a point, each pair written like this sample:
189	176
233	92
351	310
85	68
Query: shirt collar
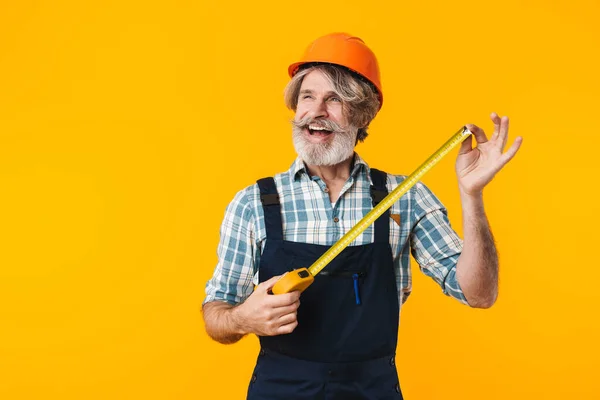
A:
298	167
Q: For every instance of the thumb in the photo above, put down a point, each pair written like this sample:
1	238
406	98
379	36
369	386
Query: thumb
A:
466	145
267	285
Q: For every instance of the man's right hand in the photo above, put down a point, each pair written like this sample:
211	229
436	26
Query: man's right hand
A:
265	314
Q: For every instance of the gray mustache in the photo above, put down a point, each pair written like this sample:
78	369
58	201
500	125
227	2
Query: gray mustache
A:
323	123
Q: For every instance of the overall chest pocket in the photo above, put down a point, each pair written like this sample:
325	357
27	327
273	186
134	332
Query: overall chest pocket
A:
354	278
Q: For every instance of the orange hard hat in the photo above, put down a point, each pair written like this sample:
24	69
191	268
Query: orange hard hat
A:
345	50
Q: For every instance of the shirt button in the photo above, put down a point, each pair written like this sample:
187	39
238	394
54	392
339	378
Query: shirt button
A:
336	219
397	388
253	378
392	361
326	190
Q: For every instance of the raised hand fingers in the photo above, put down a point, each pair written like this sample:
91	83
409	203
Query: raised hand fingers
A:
466	145
500	130
478	133
503	134
506	157
496	120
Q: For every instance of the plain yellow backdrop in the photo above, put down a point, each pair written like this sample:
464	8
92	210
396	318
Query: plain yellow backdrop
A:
127	126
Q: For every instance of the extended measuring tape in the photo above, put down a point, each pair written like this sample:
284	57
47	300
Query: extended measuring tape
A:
300	279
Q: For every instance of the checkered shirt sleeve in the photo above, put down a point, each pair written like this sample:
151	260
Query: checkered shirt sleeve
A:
434	244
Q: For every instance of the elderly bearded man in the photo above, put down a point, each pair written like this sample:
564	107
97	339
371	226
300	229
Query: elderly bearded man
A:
340	341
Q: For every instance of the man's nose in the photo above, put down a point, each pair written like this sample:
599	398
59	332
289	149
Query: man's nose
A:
318	109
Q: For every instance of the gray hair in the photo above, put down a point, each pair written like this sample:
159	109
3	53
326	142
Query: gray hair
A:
360	101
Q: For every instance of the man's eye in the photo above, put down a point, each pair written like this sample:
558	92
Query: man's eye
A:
335	99
307	96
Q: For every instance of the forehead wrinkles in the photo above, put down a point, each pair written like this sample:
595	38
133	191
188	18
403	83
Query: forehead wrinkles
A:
320	80
313	92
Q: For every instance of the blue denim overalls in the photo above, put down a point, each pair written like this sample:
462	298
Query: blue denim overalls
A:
345	342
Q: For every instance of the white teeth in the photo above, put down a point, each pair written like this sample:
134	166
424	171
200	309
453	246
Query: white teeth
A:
317	128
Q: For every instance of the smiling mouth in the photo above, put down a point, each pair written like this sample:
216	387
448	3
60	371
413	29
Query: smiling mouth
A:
317	131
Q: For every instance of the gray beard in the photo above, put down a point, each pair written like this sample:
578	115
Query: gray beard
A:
339	149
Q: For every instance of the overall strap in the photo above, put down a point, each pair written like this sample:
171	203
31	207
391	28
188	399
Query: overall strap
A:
378	193
271	207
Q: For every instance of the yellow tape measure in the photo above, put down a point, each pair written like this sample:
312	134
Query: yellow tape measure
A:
300	279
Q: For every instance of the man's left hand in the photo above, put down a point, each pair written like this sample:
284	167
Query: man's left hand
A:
475	167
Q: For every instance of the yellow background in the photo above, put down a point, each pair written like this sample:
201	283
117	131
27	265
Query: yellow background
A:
127	126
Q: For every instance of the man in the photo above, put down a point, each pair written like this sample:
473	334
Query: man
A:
340	343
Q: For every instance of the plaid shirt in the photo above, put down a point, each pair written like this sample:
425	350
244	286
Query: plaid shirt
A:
308	217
